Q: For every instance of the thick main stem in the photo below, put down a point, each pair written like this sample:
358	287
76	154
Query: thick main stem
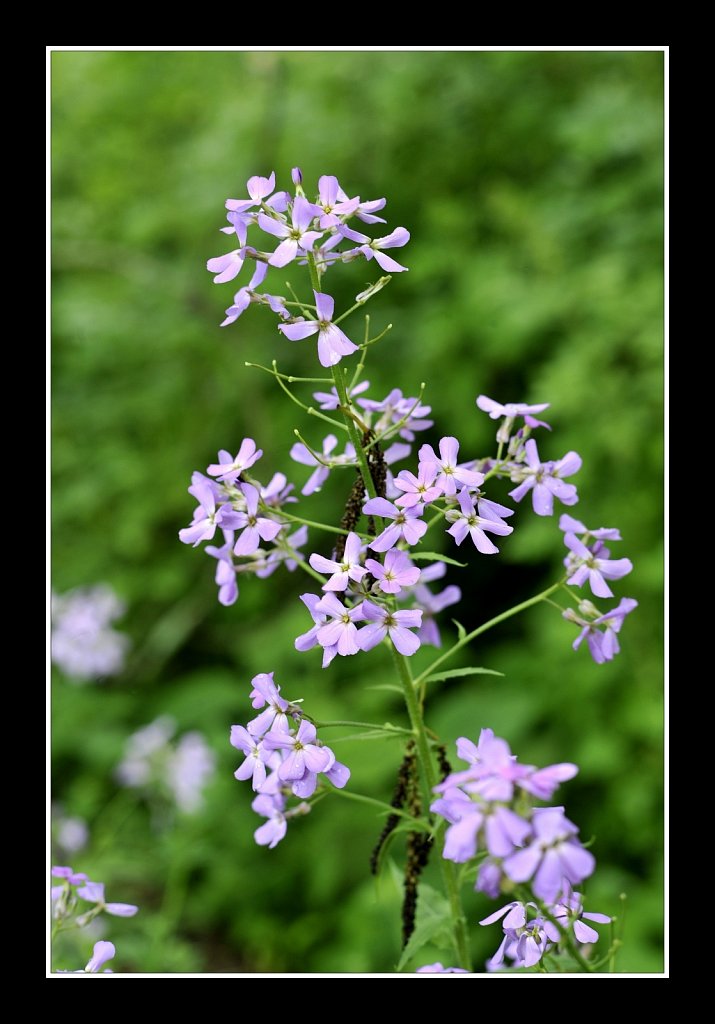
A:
449	872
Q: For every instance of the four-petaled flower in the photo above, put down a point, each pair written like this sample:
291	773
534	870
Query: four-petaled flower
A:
407	524
371	248
588	566
449	474
254	528
229	468
468	522
207	517
294	236
545	479
383	622
341	631
397	572
347	569
333	344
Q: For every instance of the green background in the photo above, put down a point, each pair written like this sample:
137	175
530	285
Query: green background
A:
532	186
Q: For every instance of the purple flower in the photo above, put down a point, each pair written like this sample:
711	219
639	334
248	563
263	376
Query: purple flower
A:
570	525
397	625
438	968
468	522
366	211
407	524
294	237
102	952
207	517
258	755
246	295
526	945
190	767
225	569
226	267
501	829
585	565
554	856
341	631
489	878
569	911
396	408
253	527
258	189
333	344
299	453
306	641
296	176
229	469
305	755
603	644
371	248
514	915
329	400
397	572
543	782
84	644
93	892
449	474
421	488
431	604
332	208
70	876
344	571
266	694
545	480
510	411
271	807
286	551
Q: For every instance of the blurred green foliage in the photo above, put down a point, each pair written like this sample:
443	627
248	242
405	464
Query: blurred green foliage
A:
531	183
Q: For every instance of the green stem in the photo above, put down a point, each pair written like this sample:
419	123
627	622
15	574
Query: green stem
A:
349	795
484	627
449	871
344	401
362	725
319	526
353	433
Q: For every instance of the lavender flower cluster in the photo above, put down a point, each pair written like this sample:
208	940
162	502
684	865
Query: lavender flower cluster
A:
154	764
362	589
84	645
304	229
489	807
284	758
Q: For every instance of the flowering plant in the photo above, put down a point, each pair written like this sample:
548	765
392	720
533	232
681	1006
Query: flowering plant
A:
369	590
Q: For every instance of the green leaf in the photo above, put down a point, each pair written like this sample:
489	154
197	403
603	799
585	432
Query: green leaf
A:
461	631
433	556
432	924
392	687
455	673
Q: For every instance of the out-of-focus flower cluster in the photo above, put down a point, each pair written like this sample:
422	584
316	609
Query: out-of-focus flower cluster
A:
283	758
490	810
84	645
180	770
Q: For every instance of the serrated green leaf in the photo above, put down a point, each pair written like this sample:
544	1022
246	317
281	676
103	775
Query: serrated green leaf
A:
432	924
455	673
461	631
434	556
